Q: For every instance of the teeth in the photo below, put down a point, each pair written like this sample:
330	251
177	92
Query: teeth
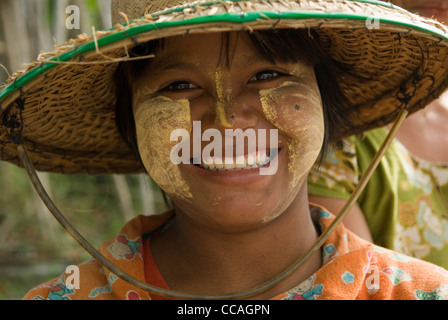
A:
250	160
240	163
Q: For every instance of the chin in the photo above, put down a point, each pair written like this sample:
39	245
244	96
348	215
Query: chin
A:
233	213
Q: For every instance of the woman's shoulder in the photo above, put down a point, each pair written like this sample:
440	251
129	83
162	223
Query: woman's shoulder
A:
77	282
399	277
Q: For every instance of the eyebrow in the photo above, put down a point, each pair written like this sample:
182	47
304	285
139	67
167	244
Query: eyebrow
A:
168	63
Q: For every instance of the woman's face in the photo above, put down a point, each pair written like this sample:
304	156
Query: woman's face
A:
437	9
192	81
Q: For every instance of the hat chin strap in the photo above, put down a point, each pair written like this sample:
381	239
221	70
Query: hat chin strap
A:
239	295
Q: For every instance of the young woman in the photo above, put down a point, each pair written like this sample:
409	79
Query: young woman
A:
224	67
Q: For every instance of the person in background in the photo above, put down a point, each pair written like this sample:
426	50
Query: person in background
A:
410	214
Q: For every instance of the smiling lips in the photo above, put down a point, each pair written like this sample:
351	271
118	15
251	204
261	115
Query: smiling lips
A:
242	162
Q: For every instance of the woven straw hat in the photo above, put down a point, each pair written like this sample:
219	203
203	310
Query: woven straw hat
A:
64	112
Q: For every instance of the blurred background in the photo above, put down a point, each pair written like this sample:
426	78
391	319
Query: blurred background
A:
33	246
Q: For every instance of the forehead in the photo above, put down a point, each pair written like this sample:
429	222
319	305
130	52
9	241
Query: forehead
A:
231	51
214	49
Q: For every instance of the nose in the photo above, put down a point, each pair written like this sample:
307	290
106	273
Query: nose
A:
237	112
221	115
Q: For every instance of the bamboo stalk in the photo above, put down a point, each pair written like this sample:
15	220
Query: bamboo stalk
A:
59	23
124	195
147	195
42	9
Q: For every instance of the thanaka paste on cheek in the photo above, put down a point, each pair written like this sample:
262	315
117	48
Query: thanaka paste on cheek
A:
155	119
304	125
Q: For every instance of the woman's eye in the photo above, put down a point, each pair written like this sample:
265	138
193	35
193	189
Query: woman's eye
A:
180	85
264	76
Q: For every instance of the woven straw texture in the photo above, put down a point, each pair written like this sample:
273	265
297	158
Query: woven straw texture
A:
64	112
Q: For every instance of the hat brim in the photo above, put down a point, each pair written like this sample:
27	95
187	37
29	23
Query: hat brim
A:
62	107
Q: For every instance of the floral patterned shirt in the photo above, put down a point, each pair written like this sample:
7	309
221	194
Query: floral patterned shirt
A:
405	202
352	269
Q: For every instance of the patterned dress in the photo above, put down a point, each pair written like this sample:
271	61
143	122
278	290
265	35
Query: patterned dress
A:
405	202
352	269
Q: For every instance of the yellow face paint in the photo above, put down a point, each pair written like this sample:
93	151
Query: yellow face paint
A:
295	108
155	119
221	116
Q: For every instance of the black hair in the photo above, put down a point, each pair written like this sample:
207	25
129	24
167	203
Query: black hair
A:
284	45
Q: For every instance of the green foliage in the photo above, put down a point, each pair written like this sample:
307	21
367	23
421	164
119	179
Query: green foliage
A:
30	236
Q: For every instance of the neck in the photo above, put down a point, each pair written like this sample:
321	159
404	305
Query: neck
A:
216	262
